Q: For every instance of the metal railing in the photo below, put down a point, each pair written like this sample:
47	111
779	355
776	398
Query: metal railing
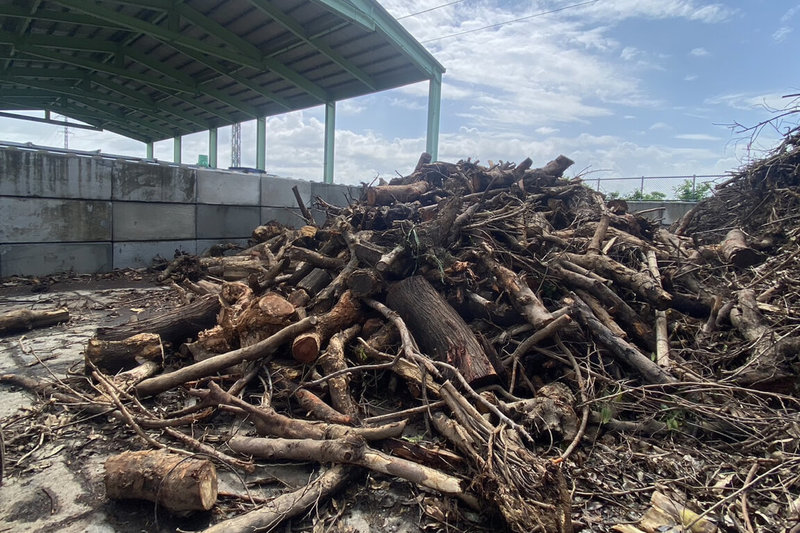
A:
646	185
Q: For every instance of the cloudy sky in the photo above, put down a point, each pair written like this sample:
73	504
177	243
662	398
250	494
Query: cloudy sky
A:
622	87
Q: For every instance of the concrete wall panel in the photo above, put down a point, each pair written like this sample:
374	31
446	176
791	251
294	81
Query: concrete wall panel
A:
42	174
49	258
226	221
153	222
670	211
334	194
52	220
141	254
277	192
204	244
216	187
284	215
148	182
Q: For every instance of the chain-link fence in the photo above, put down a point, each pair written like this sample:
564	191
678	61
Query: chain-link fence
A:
686	188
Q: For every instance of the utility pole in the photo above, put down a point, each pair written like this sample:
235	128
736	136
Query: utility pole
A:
236	145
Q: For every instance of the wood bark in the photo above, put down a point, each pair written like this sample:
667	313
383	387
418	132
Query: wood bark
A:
641	283
114	356
174	481
736	252
285	506
173	325
333	360
767	367
306	347
214	364
524	299
621	350
439	330
26	319
352	451
388	194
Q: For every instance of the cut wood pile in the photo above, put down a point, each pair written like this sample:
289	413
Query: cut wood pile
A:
564	360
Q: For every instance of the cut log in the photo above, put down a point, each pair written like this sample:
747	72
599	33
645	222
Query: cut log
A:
173	325
333	361
306	347
174	481
439	330
114	356
736	252
26	319
364	282
388	194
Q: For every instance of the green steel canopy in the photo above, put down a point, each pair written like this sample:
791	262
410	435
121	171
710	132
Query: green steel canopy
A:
157	69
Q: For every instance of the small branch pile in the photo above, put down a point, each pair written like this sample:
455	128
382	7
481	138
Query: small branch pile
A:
498	294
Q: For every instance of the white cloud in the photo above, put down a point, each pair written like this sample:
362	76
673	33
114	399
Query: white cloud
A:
781	33
697	137
699	52
660	126
690	77
749	102
544	130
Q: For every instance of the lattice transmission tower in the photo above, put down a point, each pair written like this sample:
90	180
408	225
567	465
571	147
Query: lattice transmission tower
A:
236	145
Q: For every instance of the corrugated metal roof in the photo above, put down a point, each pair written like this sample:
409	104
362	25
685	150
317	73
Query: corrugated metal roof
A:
155	69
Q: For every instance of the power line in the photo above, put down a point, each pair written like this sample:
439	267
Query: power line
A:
520	19
428	10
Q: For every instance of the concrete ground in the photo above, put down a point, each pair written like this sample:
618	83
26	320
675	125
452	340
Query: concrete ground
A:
53	475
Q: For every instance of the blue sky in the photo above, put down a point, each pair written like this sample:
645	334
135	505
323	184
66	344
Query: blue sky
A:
623	87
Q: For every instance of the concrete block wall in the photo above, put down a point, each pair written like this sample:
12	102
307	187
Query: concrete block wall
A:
72	212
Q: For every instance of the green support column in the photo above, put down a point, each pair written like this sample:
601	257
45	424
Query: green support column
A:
330	132
149	148
434	111
176	149
212	148
261	143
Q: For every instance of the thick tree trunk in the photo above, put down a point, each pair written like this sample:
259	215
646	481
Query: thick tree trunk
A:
735	250
173	325
175	482
388	194
113	356
26	319
439	330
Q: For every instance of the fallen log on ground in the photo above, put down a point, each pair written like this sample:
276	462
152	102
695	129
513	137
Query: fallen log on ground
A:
27	319
175	482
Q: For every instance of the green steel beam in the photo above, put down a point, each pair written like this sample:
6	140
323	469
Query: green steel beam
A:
293	26
245	53
61	43
108	69
48	120
176	149
183	78
112	116
393	30
227	36
149	150
434	114
26	72
330	136
145	100
348	12
261	143
54	16
212	147
226	71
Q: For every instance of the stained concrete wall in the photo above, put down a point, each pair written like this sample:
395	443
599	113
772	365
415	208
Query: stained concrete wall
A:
74	212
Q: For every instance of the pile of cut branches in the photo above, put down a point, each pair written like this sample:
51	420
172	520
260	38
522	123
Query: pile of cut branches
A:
524	317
